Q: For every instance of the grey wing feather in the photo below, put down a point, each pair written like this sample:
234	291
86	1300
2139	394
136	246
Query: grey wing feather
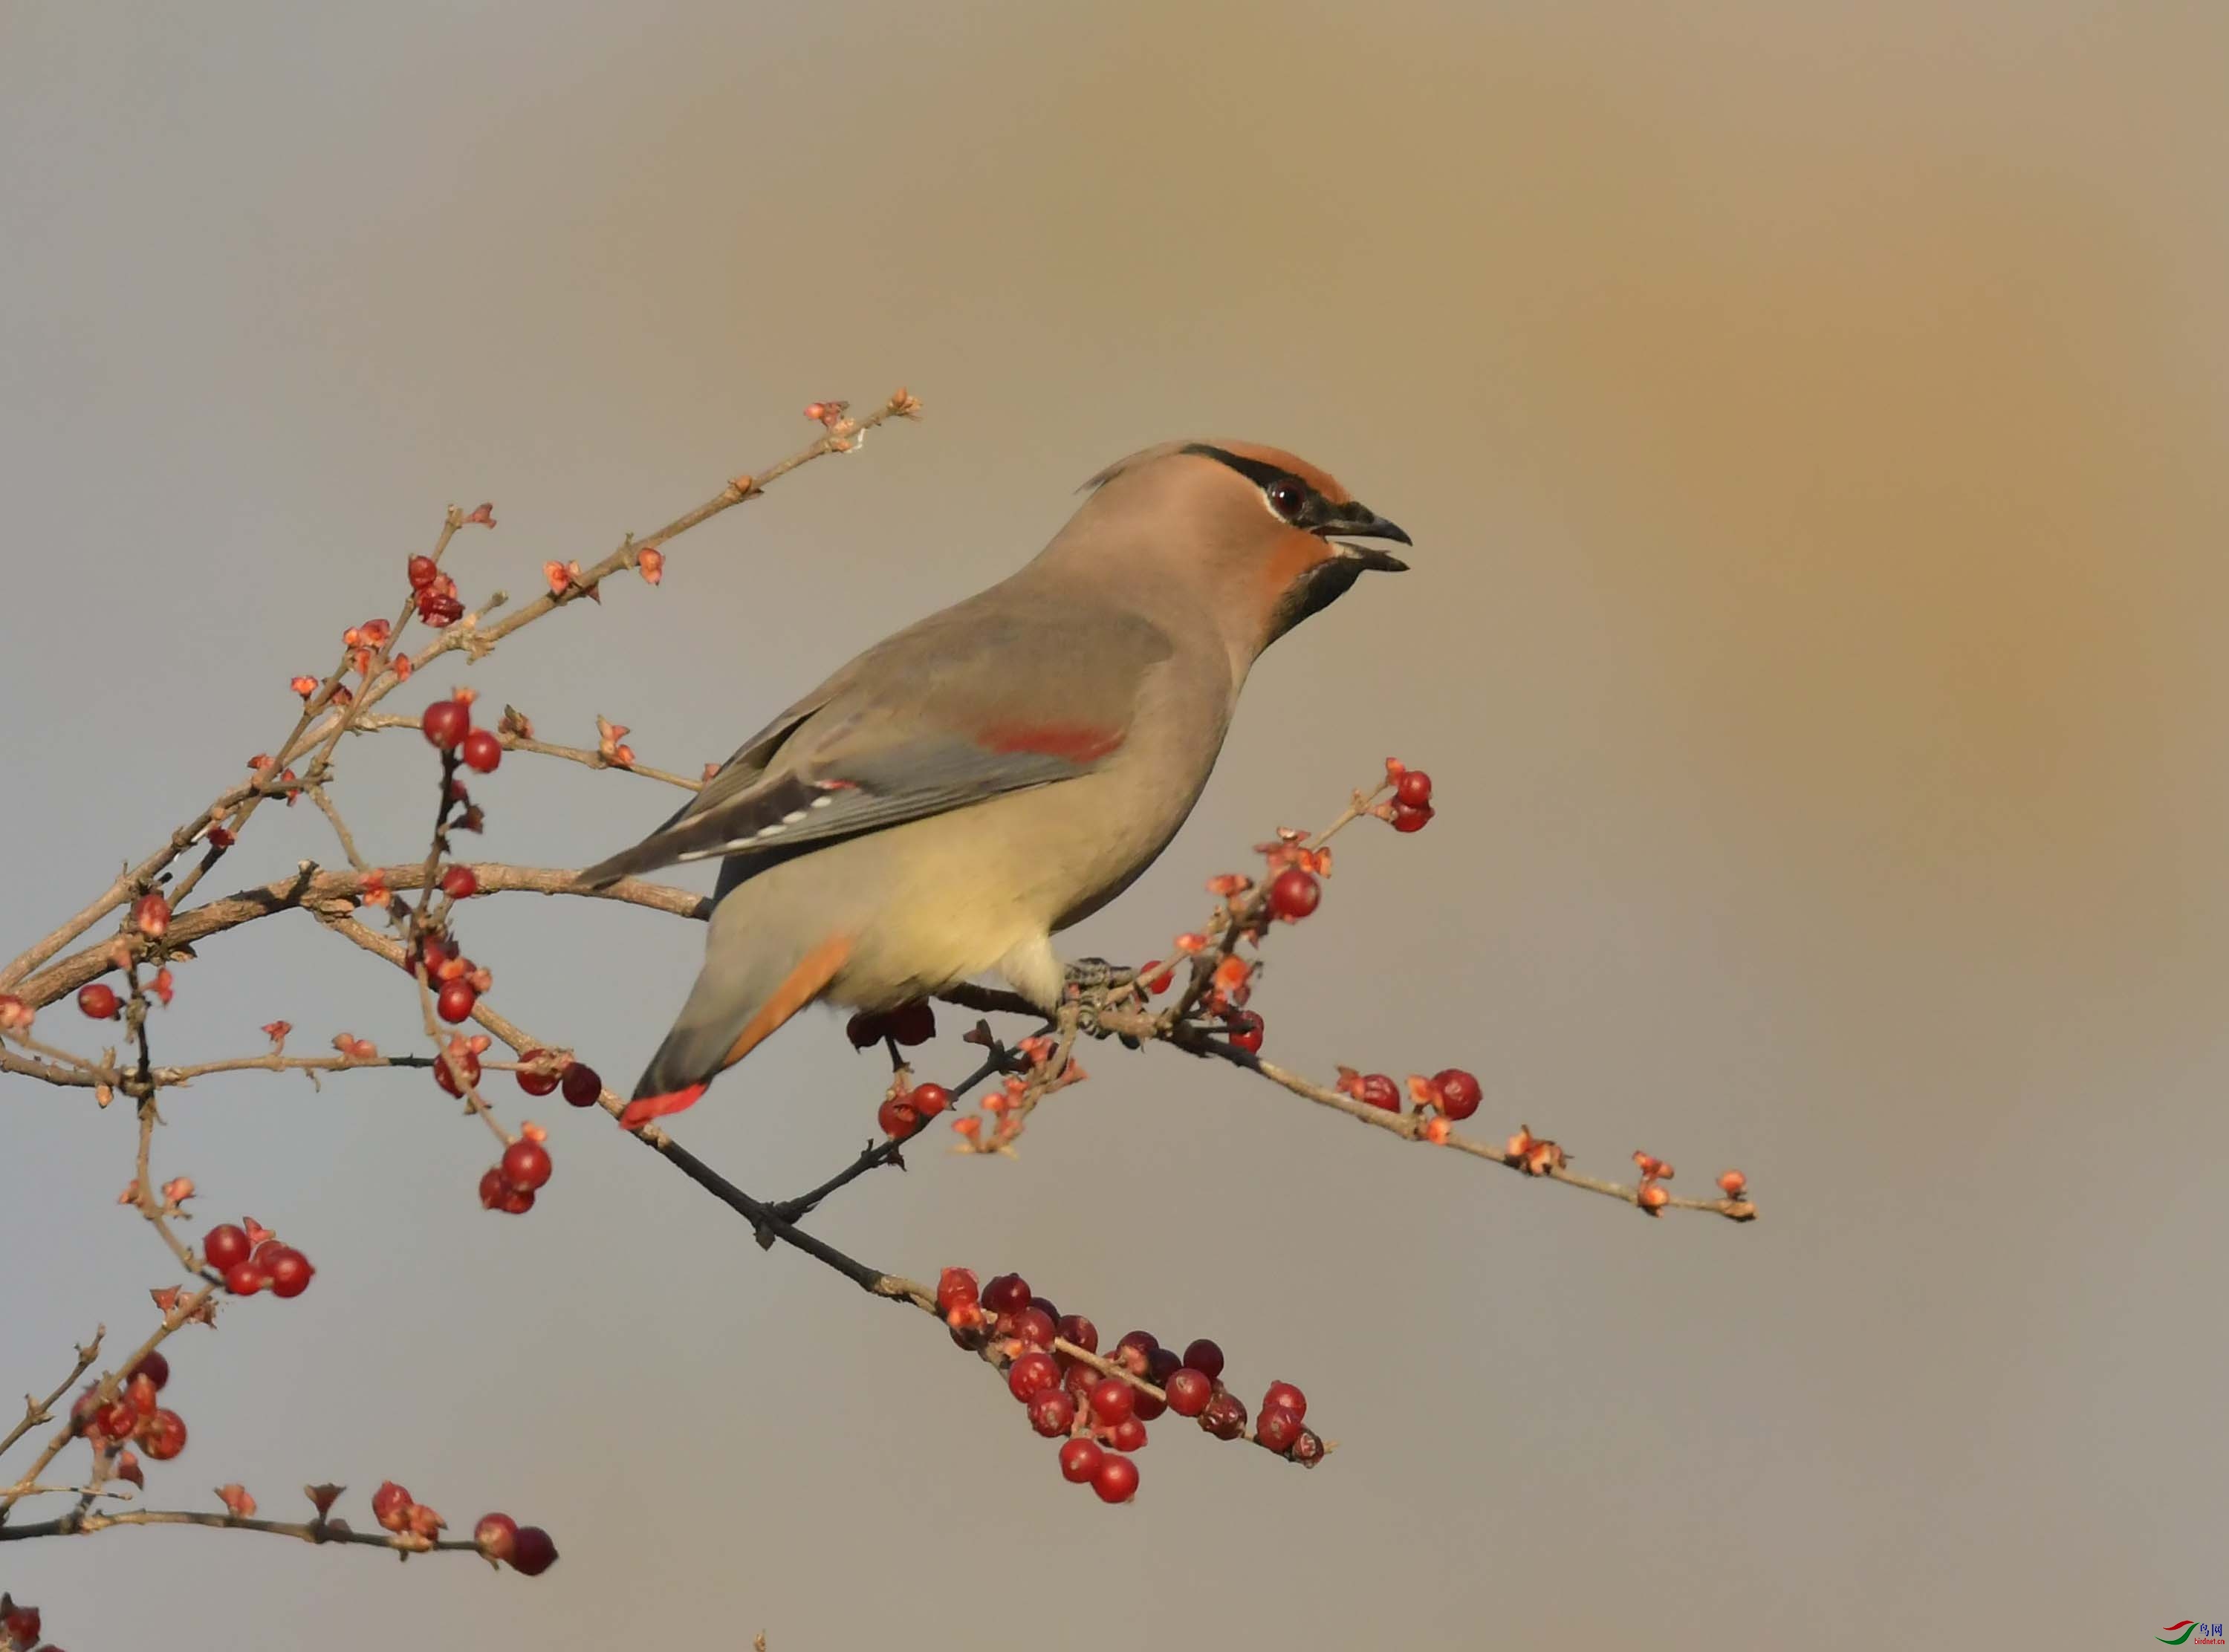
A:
842	761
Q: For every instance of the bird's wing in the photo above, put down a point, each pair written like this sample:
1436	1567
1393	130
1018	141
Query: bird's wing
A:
963	707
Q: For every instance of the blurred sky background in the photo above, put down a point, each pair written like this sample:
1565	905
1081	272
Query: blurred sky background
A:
1811	421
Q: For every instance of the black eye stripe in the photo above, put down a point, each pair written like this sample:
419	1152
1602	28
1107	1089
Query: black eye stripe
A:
1314	507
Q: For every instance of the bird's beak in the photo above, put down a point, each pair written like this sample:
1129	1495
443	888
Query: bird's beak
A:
1362	522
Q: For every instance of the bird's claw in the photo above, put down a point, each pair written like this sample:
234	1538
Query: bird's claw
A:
1097	975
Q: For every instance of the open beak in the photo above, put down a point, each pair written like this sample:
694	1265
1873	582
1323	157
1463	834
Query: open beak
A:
1361	523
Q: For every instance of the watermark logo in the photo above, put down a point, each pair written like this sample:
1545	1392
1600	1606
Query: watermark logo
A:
2191	1632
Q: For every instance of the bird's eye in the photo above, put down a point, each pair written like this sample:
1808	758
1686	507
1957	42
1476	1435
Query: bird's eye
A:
1289	498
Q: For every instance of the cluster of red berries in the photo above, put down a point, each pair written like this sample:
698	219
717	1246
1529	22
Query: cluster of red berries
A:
511	1182
456	980
539	1074
136	1416
1100	1417
436	593
908	1024
903	1111
1411	808
526	1549
1451	1092
447	724
252	1258
20	1628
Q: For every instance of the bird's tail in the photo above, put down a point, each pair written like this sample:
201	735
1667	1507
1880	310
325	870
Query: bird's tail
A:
737	1002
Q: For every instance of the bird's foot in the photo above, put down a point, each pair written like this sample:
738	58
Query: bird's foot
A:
1096	986
1097	975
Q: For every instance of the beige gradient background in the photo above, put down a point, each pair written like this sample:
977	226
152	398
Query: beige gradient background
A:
1811	421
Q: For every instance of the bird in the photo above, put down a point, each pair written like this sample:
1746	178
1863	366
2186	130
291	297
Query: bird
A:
943	805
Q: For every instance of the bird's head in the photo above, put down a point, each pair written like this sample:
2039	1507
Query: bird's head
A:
1259	534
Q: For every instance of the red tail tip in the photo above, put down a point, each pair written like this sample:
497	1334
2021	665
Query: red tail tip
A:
643	1109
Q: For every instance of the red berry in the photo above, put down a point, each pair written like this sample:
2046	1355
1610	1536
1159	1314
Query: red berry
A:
1189	1390
422	572
1135	1351
97	1000
1459	1092
1162	1364
928	1099
1243	1027
525	1165
1044	1306
495	1534
532	1551
1080	1461
1378	1091
164	1436
913	1024
517	1202
461	883
1006	1294
954	1287
291	1272
1129	1434
1112	1400
583	1087
446	723
1294	894
391	1505
1030	1326
492	1188
1052	1412
224	1248
117	1419
455	1000
22	1626
153	1367
1414	789
1224	1416
896	1119
482	750
463	1058
1073	1328
1276	1429
151	914
1031	1375
535	1084
1204	1357
1148	1407
244	1278
1283	1394
1116	1480
1411	820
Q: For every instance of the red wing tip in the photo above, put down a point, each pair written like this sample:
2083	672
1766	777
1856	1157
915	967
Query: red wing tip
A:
643	1109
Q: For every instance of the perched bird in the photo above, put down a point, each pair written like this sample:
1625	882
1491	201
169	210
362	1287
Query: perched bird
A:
946	803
